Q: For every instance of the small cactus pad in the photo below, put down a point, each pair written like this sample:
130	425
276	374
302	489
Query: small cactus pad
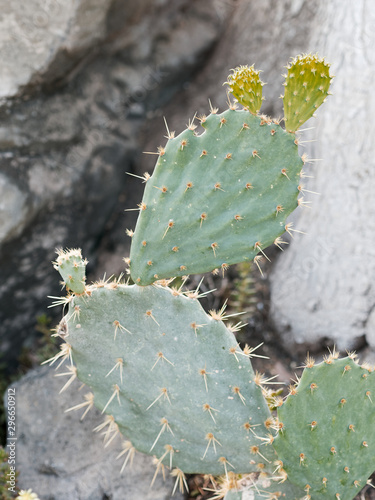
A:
327	445
246	86
306	87
72	268
216	199
173	378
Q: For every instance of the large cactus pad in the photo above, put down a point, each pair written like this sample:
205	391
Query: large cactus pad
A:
217	198
173	378
327	445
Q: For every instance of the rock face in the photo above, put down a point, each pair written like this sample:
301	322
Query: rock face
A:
39	35
81	84
322	286
59	457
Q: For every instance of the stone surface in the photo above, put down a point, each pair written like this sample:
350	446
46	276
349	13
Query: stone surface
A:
323	286
67	143
58	455
37	33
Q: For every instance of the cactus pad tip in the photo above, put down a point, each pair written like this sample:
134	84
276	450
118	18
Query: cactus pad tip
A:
72	268
246	86
306	87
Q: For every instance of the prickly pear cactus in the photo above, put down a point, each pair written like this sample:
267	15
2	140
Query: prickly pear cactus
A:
327	442
222	196
306	88
246	86
72	269
172	378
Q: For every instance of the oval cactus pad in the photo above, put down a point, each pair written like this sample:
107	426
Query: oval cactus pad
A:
170	377
216	199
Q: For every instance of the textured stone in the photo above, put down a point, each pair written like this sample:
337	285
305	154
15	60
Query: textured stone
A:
12	209
322	286
37	34
58	455
67	143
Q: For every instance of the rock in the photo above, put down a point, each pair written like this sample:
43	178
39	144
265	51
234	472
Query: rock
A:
58	455
370	329
67	143
12	209
322	286
38	34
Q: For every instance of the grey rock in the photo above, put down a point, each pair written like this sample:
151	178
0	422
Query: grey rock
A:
38	34
12	209
69	137
322	286
59	456
370	328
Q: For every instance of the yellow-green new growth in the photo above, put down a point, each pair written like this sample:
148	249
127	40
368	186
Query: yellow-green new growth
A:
246	86
306	88
72	269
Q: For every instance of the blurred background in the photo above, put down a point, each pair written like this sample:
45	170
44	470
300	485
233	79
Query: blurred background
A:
84	89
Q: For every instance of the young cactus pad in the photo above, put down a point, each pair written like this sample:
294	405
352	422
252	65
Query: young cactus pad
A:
327	445
246	86
173	378
72	269
306	88
216	199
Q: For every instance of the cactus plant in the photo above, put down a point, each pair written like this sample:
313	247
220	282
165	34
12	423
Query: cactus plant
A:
242	298
171	378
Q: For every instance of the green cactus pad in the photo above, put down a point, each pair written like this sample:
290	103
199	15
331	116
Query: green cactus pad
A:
72	268
173	378
306	87
216	199
327	445
246	86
